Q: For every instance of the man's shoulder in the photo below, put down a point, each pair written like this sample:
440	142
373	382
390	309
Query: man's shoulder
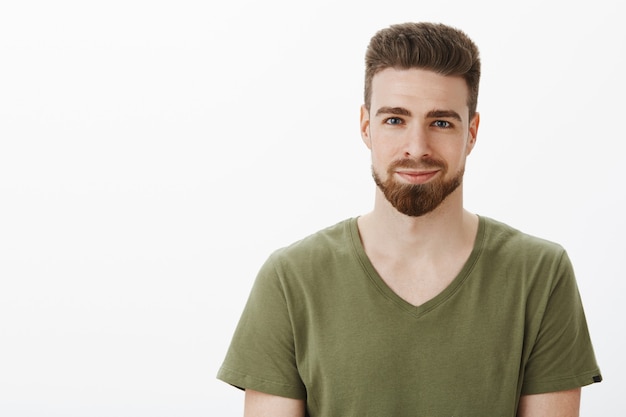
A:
330	239
502	236
315	257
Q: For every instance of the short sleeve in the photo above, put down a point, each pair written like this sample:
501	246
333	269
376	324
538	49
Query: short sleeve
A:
562	357
261	355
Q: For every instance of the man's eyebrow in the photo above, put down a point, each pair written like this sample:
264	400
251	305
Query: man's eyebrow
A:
398	111
401	111
433	114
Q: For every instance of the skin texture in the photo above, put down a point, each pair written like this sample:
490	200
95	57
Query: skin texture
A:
553	404
414	114
259	404
417	115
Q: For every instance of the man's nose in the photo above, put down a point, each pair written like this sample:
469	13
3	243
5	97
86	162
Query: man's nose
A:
417	143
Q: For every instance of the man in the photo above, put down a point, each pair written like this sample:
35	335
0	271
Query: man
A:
418	308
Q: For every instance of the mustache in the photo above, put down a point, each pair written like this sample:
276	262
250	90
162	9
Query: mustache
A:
425	162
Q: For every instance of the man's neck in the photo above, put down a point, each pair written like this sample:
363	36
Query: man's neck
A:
447	228
418	257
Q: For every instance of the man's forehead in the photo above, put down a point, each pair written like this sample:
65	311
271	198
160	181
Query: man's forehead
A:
418	91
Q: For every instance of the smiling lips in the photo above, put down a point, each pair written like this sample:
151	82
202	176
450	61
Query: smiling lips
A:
417	177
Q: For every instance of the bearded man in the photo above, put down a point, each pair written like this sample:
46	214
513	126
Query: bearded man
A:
419	307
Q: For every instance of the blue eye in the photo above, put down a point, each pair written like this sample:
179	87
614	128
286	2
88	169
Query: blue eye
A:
441	124
393	121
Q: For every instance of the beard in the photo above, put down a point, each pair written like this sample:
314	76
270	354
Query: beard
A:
418	199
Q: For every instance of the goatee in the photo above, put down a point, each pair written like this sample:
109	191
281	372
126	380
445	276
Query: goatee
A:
418	199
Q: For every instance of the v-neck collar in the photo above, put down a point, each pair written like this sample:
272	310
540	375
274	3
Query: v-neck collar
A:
401	303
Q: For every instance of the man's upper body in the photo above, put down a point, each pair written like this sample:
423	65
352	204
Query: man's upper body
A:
322	325
418	307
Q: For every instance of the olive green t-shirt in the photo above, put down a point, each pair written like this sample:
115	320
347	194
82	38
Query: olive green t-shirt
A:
320	324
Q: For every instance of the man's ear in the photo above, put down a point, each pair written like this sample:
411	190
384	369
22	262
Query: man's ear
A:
365	127
472	133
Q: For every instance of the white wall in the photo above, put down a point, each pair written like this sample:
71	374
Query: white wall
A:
152	154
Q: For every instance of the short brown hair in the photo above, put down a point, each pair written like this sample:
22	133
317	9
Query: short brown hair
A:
432	46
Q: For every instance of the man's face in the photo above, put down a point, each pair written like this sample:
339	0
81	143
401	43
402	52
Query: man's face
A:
419	133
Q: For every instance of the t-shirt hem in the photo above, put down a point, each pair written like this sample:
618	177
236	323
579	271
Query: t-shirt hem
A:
244	381
562	384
